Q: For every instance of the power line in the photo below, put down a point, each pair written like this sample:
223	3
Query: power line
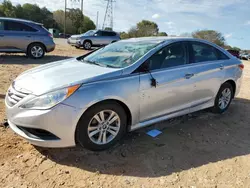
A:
108	18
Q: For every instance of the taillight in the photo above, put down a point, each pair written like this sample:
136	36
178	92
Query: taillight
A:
241	66
50	35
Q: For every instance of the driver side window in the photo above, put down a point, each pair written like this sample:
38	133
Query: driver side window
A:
170	56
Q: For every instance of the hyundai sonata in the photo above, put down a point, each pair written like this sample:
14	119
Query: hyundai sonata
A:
93	100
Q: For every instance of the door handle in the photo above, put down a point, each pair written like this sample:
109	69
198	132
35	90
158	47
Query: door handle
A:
187	76
221	67
28	36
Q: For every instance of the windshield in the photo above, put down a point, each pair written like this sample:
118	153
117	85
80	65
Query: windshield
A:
120	54
89	33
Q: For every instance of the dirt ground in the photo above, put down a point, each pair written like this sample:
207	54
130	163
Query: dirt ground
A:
196	150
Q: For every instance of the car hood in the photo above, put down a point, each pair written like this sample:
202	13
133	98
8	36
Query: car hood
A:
61	74
75	36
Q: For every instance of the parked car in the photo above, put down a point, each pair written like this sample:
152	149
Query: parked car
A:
65	36
244	56
234	53
24	36
94	99
93	38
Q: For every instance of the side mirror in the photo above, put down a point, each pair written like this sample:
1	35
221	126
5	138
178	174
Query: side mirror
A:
95	34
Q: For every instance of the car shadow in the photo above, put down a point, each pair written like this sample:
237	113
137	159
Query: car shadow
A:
186	142
2	96
23	59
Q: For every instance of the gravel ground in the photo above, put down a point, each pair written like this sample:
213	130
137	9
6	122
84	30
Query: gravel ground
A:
197	150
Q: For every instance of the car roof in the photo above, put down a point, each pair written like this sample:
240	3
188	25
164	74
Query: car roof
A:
160	39
167	39
19	20
106	30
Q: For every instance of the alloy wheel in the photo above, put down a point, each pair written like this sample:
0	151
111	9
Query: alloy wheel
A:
224	98
37	51
104	127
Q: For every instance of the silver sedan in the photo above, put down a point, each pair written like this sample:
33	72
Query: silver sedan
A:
93	100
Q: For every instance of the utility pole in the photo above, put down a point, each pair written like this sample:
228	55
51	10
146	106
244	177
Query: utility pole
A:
65	8
97	15
82	6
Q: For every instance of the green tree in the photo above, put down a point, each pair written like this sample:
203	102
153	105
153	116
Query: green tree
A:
147	28
162	34
7	9
108	29
76	22
210	35
124	35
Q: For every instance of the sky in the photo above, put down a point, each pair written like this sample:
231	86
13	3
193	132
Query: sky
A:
230	17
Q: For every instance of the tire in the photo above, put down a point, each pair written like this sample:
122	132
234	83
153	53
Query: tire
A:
87	134
36	51
87	45
218	107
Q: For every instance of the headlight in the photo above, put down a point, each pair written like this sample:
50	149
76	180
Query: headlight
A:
51	99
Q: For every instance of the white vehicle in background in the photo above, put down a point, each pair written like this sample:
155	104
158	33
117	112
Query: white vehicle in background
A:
245	56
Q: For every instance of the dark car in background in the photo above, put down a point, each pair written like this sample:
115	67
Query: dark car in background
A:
235	53
24	36
93	38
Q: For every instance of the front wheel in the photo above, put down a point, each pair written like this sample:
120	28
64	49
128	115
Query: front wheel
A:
223	98
101	126
87	45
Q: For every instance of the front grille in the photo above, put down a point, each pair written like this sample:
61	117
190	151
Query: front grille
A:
14	96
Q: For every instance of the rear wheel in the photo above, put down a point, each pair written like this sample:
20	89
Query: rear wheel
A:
101	126
223	98
36	51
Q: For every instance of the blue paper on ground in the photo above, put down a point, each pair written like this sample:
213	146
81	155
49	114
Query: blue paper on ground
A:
154	133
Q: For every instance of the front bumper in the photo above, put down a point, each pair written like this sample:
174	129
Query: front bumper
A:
74	42
61	121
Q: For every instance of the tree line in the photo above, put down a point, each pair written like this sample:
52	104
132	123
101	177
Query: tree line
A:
77	23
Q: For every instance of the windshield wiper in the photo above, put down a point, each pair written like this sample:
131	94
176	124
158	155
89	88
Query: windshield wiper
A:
111	66
99	64
91	62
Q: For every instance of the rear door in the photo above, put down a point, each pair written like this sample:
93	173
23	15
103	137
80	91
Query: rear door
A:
208	72
174	89
107	37
17	35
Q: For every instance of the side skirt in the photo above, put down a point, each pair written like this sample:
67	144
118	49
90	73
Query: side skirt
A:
172	115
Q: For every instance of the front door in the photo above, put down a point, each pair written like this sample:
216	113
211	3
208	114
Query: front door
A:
173	92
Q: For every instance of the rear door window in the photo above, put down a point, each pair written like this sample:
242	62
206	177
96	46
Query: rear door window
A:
201	52
106	33
16	26
221	55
